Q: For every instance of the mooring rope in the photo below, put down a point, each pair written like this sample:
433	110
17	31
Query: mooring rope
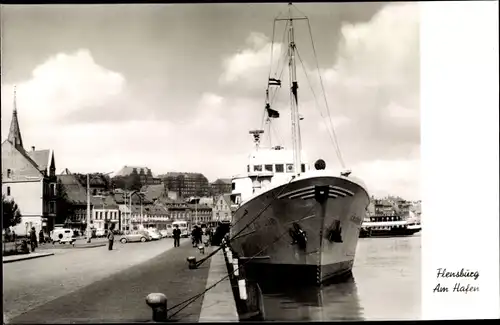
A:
189	301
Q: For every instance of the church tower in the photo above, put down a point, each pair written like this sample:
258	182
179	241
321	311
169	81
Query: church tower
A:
14	131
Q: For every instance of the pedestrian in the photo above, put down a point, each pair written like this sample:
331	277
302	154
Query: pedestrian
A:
33	240
41	237
199	234
13	236
205	237
111	237
177	236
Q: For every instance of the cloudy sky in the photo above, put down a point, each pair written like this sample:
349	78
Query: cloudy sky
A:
178	87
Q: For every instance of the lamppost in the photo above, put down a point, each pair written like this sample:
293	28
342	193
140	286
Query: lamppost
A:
89	229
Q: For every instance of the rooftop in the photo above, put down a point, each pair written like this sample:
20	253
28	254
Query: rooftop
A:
127	170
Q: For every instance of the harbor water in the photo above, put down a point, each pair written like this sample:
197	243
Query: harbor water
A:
385	285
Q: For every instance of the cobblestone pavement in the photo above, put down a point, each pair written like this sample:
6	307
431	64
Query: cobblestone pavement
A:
121	297
31	283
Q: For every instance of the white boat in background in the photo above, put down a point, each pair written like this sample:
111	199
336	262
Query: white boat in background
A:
390	223
294	221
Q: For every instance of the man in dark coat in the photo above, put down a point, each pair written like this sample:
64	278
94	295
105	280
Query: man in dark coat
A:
111	237
41	237
194	239
177	236
198	235
33	239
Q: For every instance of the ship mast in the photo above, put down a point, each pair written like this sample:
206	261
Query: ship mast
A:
293	95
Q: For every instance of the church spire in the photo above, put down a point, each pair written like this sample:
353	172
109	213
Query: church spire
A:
15	132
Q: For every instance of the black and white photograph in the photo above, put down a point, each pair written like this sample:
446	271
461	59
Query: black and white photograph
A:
228	162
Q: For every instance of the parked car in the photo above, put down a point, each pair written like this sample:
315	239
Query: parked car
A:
100	233
170	230
135	236
164	233
154	234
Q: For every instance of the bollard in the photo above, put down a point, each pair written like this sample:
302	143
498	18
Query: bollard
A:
158	303
236	267
243	289
202	249
192	262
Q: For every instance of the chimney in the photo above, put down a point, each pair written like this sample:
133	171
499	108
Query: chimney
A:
32	148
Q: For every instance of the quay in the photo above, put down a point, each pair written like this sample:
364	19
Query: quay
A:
121	297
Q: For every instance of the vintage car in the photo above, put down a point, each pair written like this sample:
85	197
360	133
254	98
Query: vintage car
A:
135	236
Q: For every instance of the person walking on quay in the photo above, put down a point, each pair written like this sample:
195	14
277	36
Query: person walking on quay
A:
198	233
41	237
33	240
177	236
111	237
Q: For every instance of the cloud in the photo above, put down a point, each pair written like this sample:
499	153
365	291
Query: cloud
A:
96	120
391	177
249	68
64	85
372	91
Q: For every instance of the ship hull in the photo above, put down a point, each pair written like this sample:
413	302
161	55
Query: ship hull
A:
331	223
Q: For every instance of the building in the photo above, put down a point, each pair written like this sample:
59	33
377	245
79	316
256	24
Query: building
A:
199	213
154	192
105	213
177	209
75	195
186	184
29	178
221	186
145	174
126	208
154	215
99	183
222	210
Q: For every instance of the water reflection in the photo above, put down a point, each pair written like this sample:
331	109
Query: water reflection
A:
334	301
385	285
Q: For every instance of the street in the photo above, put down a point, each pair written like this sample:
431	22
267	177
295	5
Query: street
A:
32	283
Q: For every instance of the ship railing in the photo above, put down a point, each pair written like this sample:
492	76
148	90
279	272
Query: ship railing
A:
384	223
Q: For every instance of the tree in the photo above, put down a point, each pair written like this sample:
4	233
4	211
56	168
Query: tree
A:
149	174
10	213
119	182
134	181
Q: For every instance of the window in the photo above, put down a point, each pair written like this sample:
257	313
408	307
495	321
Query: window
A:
268	168
303	168
8	190
233	186
248	168
289	168
257	168
9	173
53	189
52	207
279	168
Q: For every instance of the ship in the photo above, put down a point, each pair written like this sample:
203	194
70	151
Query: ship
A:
390	219
294	221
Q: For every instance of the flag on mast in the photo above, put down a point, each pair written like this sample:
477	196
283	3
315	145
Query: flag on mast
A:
271	112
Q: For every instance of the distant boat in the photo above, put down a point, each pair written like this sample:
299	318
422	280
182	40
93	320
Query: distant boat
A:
293	222
390	224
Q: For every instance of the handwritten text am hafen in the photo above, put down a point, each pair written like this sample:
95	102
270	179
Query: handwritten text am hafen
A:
459	287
